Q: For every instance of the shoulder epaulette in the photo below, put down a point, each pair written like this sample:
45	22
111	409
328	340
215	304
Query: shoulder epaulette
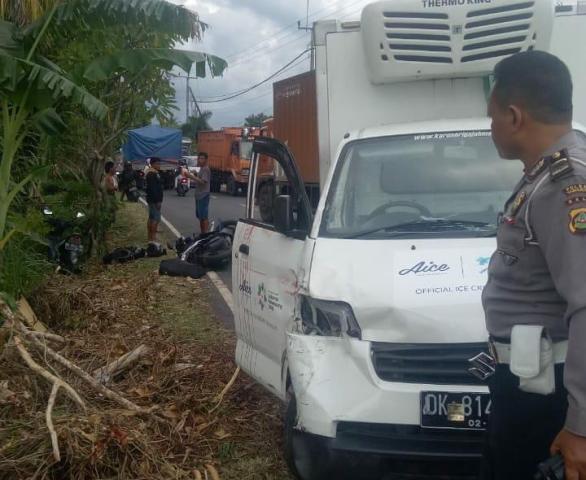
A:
559	165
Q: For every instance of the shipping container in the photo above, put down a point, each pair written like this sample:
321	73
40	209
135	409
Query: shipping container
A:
295	122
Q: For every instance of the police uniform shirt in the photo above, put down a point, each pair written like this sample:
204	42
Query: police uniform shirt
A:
537	276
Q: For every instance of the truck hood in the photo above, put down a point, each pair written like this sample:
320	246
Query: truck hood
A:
406	291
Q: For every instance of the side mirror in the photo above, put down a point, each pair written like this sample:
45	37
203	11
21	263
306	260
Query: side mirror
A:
283	214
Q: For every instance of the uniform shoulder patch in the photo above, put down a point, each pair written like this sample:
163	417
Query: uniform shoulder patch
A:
575	188
559	165
578	221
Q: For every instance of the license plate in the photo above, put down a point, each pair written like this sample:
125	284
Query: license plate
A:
461	411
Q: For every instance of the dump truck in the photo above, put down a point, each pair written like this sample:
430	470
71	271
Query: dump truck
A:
229	150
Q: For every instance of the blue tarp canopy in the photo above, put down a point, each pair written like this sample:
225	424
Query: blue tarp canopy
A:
152	141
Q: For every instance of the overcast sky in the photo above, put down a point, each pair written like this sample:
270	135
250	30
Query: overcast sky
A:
257	38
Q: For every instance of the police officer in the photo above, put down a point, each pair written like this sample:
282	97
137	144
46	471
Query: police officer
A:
535	298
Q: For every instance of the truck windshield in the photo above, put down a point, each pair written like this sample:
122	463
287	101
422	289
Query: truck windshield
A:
443	185
246	149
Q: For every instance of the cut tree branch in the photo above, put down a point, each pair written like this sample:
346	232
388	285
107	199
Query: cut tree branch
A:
34	366
106	392
49	420
220	397
106	373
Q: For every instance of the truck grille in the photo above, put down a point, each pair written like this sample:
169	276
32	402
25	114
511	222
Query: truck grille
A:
496	32
408	440
418	36
445	364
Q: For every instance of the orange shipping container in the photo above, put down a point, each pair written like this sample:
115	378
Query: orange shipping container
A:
295	122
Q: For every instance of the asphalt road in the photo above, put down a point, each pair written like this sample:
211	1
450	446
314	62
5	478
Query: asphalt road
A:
180	211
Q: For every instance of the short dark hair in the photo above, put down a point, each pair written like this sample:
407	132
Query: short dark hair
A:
109	166
538	81
155	160
203	154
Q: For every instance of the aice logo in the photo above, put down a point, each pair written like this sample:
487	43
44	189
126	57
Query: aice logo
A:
245	288
425	268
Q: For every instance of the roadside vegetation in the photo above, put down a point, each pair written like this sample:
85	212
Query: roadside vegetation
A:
117	372
188	414
74	76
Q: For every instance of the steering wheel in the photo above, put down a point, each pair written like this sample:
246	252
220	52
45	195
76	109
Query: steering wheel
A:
399	203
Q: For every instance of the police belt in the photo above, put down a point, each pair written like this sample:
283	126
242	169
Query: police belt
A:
502	352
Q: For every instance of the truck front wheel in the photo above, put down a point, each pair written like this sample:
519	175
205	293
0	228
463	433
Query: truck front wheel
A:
306	455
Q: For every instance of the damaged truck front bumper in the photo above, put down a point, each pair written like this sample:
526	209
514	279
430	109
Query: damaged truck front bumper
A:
341	397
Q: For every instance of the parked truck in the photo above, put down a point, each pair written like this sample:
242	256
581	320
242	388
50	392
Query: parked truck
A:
229	151
363	315
154	141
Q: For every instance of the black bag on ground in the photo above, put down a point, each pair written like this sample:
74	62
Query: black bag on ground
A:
155	250
176	267
123	255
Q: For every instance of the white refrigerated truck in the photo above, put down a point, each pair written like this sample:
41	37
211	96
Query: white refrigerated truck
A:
363	317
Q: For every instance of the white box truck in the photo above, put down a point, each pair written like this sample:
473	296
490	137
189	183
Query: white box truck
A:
364	316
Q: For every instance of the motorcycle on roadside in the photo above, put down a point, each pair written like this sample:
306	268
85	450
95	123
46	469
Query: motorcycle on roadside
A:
67	244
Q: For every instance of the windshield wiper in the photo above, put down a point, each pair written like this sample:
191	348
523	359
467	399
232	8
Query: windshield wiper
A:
426	226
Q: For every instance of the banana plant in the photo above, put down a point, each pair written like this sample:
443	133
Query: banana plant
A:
32	87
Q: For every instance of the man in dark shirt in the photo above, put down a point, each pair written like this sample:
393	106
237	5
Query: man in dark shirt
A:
154	194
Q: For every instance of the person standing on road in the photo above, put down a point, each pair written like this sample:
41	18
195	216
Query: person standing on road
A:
154	194
202	191
535	297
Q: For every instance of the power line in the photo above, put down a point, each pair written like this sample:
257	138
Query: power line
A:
274	49
232	95
283	30
267	92
289	66
281	72
245	58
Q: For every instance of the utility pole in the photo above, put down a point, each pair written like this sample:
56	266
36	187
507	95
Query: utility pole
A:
187	89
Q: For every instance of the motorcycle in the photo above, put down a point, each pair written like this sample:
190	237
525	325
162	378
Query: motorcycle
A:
210	250
182	186
65	241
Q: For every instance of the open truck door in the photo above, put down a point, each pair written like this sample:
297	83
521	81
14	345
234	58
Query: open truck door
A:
267	263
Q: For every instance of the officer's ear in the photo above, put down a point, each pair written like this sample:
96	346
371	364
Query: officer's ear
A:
516	118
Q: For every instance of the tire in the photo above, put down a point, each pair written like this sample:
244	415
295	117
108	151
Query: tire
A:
231	186
266	195
306	455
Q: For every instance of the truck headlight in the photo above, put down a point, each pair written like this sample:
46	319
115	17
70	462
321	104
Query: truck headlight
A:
329	319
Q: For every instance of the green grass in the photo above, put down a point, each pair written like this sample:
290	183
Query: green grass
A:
130	227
